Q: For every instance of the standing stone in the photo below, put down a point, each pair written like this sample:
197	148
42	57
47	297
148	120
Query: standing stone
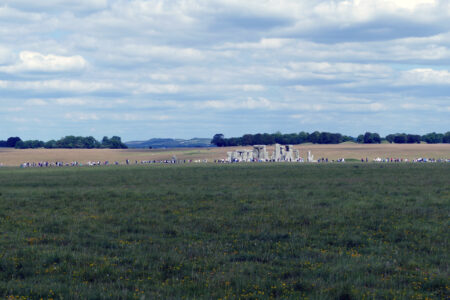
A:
310	157
260	153
288	154
229	156
277	153
249	155
296	155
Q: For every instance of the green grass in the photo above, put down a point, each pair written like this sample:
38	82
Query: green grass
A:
347	231
353	160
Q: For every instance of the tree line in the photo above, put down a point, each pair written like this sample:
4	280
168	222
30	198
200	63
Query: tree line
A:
318	137
293	138
67	142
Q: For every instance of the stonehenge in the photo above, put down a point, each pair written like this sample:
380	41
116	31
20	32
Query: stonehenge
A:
260	153
285	153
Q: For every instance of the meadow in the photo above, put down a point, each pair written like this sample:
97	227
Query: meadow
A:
249	231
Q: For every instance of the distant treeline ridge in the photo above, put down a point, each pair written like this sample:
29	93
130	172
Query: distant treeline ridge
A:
318	137
68	142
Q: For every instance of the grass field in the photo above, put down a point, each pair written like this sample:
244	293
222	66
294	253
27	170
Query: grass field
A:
14	157
248	231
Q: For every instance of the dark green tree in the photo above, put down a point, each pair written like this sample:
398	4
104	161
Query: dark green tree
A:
218	140
376	138
368	139
302	137
446	138
51	144
12	141
400	138
314	137
433	138
268	139
247	139
30	144
413	139
116	143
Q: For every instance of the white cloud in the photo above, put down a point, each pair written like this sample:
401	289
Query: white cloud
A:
333	107
346	13
137	117
425	77
415	106
140	60
250	87
11	109
73	86
36	102
250	103
157	89
24	120
128	117
340	69
300	106
34	61
78	116
70	101
264	44
407	4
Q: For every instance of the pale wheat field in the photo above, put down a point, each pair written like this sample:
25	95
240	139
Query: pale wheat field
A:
14	157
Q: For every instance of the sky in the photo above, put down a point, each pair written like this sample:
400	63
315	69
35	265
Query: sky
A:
193	68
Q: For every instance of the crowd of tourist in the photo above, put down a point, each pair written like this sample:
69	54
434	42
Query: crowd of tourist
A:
43	164
105	163
301	160
342	160
421	159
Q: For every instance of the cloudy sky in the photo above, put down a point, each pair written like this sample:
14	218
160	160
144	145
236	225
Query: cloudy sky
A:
193	68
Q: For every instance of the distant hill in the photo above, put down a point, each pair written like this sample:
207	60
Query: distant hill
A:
171	143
